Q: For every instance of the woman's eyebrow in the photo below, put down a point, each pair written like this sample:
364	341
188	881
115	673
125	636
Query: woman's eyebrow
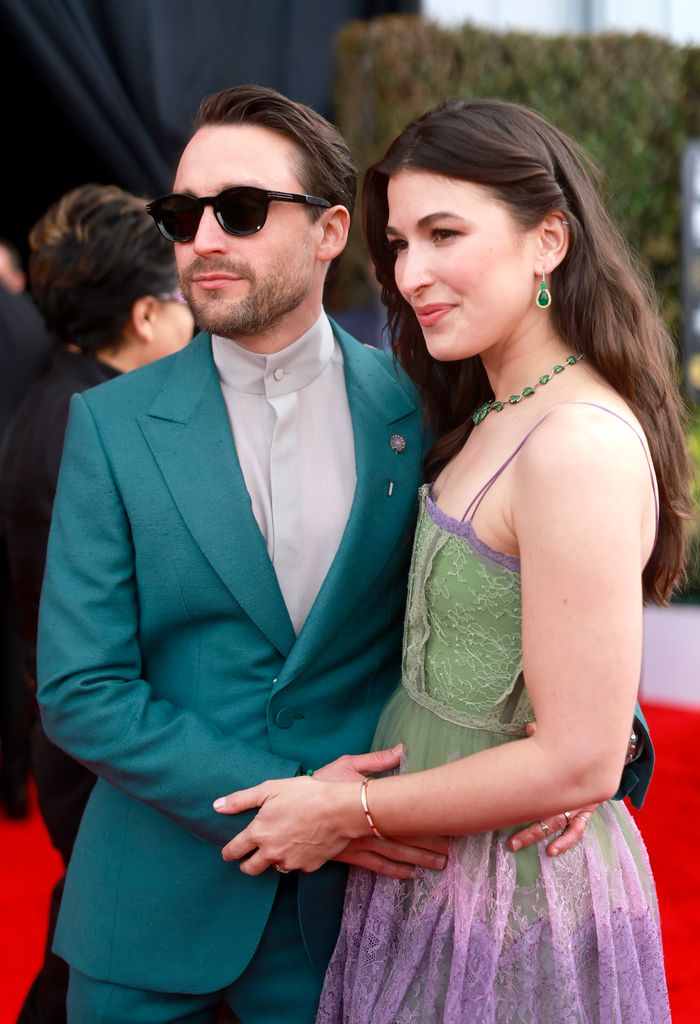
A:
426	221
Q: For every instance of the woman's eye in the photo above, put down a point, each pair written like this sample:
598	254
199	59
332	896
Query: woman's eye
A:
395	245
443	234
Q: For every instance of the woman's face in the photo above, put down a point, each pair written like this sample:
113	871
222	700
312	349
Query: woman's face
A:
464	265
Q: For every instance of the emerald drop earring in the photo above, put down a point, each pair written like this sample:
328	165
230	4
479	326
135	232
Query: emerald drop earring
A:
544	298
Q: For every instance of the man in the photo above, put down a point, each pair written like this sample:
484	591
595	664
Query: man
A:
225	587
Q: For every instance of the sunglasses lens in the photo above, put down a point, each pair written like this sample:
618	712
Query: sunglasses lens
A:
177	217
242	211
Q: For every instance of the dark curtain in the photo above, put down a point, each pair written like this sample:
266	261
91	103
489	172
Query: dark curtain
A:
129	74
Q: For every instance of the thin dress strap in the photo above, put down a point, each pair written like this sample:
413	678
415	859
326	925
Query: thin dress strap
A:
480	495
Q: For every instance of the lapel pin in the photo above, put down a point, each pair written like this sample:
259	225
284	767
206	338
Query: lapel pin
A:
390	489
397	443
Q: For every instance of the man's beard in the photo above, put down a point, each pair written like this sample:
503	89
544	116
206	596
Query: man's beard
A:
268	301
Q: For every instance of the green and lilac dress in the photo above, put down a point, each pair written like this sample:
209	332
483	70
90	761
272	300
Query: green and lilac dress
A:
497	937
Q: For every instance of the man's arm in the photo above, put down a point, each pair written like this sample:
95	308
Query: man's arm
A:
94	702
636	775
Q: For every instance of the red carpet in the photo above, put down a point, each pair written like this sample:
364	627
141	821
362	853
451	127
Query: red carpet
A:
30	867
670	824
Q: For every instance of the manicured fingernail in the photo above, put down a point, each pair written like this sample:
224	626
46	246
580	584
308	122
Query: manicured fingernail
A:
221	802
554	850
441	862
398	748
515	846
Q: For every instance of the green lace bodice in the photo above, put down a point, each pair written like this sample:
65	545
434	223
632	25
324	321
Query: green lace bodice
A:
462	653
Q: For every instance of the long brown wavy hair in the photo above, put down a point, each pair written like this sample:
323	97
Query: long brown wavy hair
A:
605	306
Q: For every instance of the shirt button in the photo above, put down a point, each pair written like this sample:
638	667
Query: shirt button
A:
278	374
285	718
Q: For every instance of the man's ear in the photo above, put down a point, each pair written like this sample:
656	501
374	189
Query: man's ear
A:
334	224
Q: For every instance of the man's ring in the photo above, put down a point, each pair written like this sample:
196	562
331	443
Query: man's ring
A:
545	827
567	815
583	818
282	871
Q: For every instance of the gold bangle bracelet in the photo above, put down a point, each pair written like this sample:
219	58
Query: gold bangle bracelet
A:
365	808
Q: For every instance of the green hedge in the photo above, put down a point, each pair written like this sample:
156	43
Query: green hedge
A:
632	101
693	591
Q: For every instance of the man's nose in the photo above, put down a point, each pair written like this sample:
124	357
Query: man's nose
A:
210	236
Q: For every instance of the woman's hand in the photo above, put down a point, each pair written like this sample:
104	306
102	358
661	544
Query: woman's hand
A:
301	823
304	822
574	827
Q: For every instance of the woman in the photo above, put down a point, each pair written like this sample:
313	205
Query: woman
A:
106	285
556	504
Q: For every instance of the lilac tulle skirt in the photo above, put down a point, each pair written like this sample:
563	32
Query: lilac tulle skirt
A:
498	938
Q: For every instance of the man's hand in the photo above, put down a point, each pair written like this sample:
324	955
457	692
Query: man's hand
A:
354	767
396	858
573	822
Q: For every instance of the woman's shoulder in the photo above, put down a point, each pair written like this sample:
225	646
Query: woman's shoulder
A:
601	419
595	442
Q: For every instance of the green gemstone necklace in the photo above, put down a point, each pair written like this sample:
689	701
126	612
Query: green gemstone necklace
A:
494	405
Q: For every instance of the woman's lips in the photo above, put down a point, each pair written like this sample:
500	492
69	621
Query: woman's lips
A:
428	316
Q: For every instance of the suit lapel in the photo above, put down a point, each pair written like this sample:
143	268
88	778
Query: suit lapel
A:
380	408
188	431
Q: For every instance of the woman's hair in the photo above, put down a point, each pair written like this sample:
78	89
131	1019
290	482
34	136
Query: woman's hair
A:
604	306
93	254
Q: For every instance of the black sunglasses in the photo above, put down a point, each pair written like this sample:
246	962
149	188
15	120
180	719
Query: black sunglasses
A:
241	210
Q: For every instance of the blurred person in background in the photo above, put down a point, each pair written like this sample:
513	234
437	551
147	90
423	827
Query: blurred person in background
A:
25	353
106	285
12	276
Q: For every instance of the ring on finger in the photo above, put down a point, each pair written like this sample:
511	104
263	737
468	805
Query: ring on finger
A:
282	871
583	818
568	816
545	827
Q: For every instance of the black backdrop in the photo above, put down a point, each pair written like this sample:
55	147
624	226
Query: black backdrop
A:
105	90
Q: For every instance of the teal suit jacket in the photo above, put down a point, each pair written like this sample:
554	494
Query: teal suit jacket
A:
169	665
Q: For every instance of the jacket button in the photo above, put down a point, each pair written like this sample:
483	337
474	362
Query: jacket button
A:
284	718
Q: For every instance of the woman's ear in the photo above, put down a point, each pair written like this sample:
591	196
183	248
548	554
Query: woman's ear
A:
143	314
553	242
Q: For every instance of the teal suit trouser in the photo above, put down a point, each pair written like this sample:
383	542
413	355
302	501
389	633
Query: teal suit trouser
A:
279	985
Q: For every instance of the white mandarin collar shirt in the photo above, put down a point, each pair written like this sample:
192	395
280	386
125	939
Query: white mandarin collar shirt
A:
292	429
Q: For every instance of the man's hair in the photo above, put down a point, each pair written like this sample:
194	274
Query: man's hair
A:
326	168
93	254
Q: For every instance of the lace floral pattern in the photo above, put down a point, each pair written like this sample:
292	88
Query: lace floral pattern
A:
466	946
462	654
495	938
